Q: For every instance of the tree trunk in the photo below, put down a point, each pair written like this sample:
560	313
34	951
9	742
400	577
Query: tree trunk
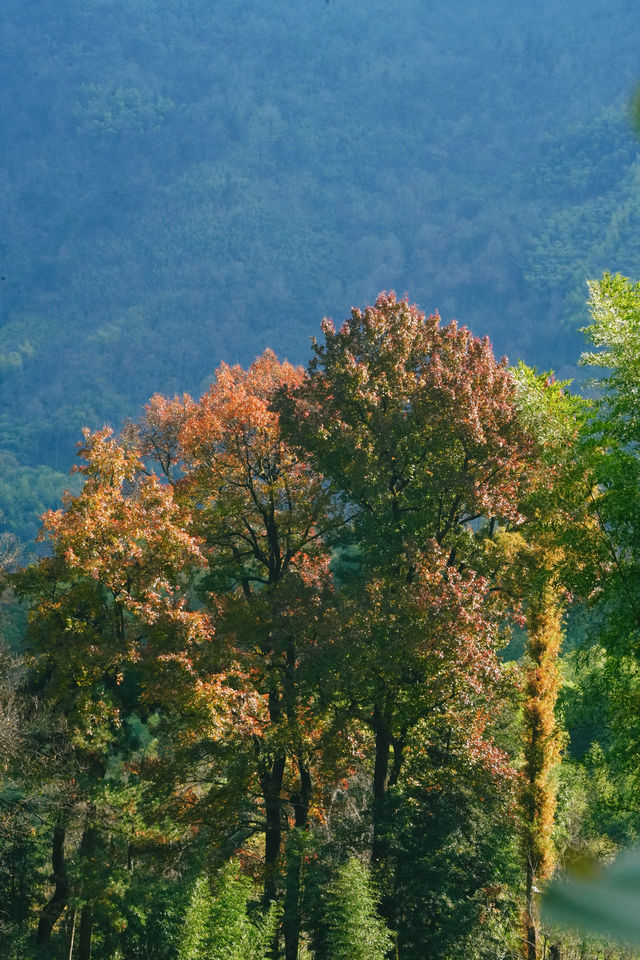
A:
541	743
291	918
53	910
380	787
271	781
73	934
87	848
86	928
530	931
398	744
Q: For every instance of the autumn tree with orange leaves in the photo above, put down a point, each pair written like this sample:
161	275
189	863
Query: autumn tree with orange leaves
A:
260	514
205	533
108	606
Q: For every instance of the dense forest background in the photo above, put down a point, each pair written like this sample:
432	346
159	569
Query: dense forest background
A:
188	182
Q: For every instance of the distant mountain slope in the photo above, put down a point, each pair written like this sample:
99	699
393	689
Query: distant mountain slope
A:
184	183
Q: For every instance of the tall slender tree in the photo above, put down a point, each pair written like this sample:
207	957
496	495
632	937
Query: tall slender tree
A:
543	563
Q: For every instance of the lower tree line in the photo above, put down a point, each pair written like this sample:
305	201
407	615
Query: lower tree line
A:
262	706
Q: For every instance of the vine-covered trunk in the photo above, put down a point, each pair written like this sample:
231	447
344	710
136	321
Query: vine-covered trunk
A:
530	928
541	746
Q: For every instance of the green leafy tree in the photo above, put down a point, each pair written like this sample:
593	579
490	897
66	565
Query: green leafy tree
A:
611	443
455	852
355	929
217	924
606	904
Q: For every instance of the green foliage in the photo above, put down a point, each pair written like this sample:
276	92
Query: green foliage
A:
615	332
455	852
26	492
549	412
611	444
598	808
121	109
355	929
217	924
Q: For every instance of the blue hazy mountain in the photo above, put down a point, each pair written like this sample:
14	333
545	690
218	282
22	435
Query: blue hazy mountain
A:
186	182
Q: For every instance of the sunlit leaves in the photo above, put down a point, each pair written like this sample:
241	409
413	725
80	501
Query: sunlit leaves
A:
258	504
126	532
414	422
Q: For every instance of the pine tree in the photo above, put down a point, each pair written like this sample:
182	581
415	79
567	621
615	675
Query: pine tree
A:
355	930
217	925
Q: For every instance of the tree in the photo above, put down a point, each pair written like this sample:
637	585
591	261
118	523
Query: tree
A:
262	514
612	441
355	929
455	849
416	428
109	626
610	445
199	539
541	558
26	735
415	425
217	925
541	740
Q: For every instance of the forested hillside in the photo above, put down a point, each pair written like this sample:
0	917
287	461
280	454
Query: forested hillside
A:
188	182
